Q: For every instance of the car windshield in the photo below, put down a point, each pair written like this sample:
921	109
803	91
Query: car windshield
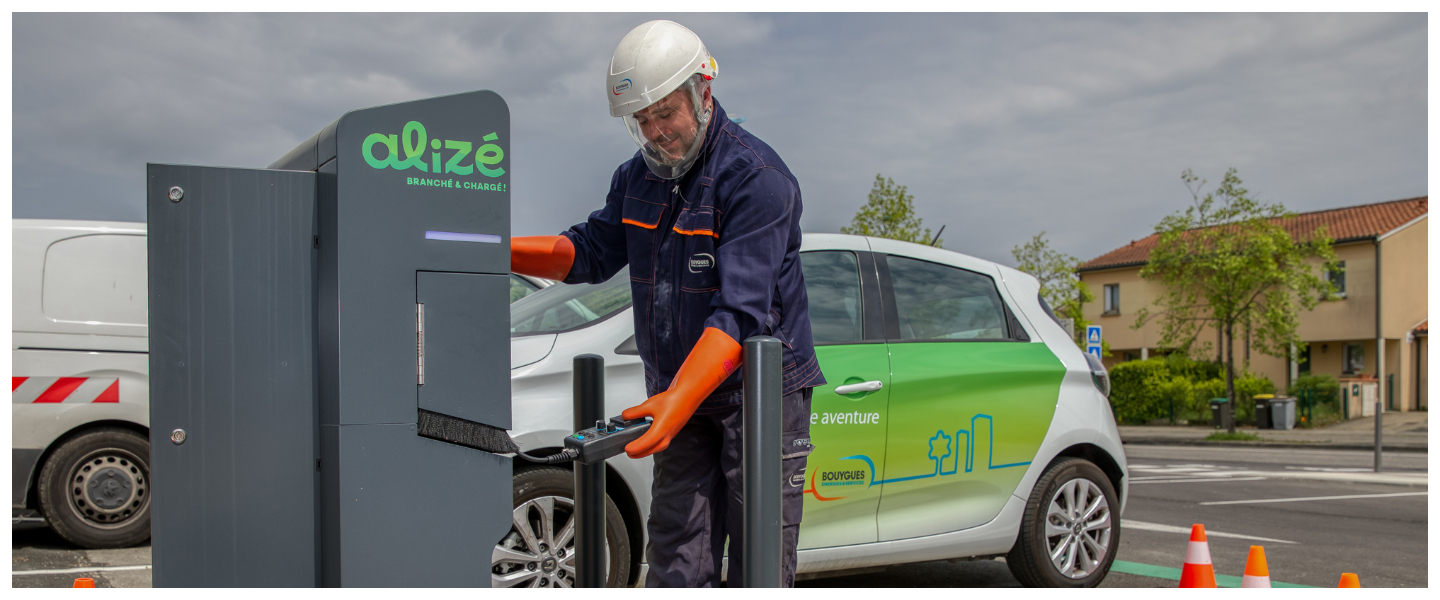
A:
560	308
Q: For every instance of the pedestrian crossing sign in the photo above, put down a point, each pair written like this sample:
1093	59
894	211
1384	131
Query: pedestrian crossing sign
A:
1092	335
1094	350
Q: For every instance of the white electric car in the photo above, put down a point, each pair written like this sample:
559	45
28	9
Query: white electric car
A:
987	431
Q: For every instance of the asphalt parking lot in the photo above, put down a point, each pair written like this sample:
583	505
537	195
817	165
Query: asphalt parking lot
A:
1318	513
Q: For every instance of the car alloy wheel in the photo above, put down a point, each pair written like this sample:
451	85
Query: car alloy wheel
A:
1068	535
1077	528
539	551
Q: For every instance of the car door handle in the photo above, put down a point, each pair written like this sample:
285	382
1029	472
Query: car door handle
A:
855	388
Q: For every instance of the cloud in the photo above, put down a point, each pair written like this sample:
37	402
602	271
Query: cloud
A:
1001	125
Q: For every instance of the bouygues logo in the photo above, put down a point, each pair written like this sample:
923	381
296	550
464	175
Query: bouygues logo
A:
621	87
412	140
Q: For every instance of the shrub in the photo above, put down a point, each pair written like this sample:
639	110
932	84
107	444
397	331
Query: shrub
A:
1177	387
1323	400
1325	388
1133	390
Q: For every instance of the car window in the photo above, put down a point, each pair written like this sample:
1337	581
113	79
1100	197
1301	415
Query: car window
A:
96	279
1045	306
938	302
832	284
560	307
520	288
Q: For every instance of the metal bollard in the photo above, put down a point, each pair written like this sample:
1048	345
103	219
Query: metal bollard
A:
760	566
590	563
1378	435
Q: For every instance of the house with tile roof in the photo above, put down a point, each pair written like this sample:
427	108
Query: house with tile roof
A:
1377	326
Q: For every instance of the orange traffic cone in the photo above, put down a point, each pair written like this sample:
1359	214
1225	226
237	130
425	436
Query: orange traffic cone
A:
1198	572
86	582
1257	573
1349	580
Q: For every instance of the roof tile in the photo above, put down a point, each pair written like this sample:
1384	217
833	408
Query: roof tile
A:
1343	224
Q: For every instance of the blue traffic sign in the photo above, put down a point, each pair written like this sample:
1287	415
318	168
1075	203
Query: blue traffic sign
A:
1092	335
1094	350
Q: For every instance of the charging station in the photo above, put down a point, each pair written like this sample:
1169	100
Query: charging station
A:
329	356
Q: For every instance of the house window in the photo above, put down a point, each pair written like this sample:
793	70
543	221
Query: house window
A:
1112	299
1353	357
1337	278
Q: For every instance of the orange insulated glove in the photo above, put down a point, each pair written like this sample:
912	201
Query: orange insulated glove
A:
548	256
713	359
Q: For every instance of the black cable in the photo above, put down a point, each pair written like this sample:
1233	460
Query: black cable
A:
565	455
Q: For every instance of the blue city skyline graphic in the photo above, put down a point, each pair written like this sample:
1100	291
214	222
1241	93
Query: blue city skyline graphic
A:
942	447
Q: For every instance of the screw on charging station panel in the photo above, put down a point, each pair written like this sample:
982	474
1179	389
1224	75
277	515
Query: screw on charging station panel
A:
176	193
178	436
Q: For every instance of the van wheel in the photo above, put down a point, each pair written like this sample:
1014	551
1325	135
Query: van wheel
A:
539	550
1069	534
95	489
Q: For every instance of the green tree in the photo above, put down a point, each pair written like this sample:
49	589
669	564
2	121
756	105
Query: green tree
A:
1060	285
889	213
1227	263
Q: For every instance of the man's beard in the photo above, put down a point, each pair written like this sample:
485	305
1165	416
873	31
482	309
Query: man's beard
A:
665	158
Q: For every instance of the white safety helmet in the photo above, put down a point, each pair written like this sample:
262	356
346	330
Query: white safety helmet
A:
652	61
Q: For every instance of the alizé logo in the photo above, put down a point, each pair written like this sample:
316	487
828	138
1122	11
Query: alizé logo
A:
413	140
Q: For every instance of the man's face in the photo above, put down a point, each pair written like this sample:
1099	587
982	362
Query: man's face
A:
669	125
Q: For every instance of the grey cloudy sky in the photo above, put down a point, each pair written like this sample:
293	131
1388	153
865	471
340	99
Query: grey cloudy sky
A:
1001	125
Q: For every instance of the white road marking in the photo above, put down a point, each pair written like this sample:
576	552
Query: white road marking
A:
79	570
1316	498
1162	528
1140	480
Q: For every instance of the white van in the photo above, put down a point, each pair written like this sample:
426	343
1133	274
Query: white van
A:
80	387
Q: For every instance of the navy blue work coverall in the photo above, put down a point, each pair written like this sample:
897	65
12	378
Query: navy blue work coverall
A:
718	247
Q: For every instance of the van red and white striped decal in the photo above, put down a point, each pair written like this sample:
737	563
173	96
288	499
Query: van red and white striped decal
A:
66	390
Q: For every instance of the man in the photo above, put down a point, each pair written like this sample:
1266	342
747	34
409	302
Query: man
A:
708	219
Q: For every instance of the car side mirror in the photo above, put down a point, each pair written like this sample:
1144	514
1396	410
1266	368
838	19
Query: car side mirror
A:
628	347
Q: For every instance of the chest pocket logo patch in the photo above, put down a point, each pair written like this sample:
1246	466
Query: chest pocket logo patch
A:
701	261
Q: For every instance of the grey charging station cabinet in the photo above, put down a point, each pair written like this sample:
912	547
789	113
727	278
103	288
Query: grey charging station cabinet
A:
305	320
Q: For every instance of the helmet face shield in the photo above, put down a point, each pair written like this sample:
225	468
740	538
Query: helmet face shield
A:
670	132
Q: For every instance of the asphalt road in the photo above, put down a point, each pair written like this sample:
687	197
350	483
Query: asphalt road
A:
1307	542
1381	535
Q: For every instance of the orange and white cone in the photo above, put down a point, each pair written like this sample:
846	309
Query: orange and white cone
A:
1257	573
87	582
1349	580
1198	572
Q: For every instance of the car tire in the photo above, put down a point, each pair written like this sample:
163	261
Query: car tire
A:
542	491
1056	524
95	489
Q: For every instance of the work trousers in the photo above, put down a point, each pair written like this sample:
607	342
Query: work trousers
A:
697	498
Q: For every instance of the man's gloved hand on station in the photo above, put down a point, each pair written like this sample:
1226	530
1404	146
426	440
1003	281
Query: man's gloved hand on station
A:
548	256
714	358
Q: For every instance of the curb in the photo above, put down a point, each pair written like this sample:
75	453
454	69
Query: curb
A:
1269	444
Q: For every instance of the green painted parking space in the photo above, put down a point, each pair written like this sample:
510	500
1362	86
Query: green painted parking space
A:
1159	572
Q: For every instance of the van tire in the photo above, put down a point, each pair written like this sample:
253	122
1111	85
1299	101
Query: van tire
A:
1029	559
537	483
95	489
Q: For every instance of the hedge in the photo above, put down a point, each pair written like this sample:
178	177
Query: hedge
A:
1179	388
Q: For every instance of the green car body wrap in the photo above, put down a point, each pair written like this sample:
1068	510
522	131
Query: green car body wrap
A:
941	447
